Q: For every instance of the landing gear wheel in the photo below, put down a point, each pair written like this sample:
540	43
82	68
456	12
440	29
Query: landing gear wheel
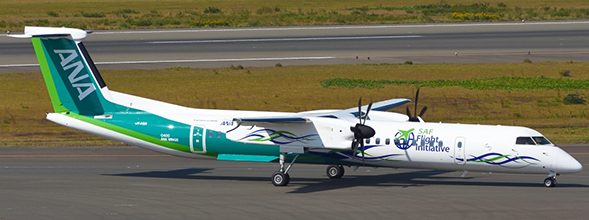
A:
335	171
550	182
280	179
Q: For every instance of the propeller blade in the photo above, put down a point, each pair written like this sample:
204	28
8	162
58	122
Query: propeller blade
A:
368	110
408	112
354	148
423	111
416	98
361	131
360	109
362	144
412	118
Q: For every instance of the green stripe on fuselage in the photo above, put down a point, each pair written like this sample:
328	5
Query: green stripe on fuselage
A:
158	130
125	128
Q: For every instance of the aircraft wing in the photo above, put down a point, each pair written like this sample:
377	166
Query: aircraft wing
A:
382	105
314	129
276	119
301	132
303	117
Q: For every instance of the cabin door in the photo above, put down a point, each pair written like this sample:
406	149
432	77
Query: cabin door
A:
197	139
460	151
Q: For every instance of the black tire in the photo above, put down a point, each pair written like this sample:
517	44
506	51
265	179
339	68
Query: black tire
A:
550	182
280	179
335	171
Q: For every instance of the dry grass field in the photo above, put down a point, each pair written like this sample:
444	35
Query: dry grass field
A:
129	14
298	88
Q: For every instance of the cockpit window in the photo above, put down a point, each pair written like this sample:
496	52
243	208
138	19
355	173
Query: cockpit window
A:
538	140
541	140
525	141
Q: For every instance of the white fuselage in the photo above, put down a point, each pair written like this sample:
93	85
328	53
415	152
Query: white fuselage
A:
423	145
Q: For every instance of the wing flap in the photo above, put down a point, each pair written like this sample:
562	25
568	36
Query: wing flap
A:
272	120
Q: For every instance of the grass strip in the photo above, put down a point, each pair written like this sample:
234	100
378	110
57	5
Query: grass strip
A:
24	99
500	83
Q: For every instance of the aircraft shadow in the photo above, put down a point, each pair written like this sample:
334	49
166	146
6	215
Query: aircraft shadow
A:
200	174
410	179
310	185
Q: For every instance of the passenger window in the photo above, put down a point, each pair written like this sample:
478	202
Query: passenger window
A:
367	140
387	141
377	141
210	134
218	134
525	141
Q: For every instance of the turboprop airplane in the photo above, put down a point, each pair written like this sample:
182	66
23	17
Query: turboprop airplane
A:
363	136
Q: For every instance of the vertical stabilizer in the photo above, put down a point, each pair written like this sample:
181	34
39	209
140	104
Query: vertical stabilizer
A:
73	81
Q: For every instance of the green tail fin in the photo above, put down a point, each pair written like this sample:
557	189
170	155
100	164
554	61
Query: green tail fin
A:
73	82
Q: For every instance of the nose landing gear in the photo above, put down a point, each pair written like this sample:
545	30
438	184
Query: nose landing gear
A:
550	181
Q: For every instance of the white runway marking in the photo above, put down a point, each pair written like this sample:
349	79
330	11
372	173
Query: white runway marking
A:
190	61
283	39
335	27
218	60
18	65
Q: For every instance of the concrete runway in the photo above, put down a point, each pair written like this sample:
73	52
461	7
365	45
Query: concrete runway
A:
421	43
132	183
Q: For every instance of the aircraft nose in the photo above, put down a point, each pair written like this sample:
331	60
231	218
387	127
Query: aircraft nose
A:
568	164
574	165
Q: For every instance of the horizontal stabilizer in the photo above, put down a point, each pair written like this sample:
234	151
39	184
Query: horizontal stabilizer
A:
31	31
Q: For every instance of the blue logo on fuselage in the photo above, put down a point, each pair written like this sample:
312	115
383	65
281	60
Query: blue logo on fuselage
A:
424	141
404	139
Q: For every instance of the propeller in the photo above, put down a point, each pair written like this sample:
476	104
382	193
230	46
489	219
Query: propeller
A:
361	131
416	119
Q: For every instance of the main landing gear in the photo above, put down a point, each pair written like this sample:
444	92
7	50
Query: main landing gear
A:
551	180
335	171
281	177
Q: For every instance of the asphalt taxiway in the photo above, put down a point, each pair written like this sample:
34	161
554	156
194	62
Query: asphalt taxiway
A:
480	42
132	183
